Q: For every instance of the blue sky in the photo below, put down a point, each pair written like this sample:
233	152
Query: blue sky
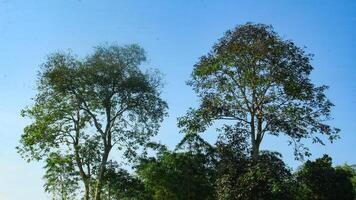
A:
174	34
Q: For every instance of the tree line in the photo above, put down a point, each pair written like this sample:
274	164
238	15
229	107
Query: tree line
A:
93	117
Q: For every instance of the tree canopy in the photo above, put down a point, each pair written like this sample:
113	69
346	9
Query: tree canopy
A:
100	102
261	83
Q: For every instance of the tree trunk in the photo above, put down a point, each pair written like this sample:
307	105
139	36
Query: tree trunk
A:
100	176
254	141
256	135
85	178
255	150
87	190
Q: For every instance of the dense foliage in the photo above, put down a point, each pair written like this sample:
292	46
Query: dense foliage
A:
324	182
121	185
178	176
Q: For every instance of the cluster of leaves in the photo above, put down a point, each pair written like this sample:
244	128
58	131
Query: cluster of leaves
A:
241	177
60	177
119	184
226	171
177	176
321	181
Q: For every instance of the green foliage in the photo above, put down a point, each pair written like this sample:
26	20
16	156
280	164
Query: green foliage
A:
121	185
261	83
177	176
240	177
351	170
321	181
268	179
61	180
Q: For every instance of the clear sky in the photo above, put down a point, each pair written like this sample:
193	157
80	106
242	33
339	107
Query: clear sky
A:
175	34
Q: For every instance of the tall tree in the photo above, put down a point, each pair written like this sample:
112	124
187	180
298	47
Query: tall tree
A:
261	82
104	97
